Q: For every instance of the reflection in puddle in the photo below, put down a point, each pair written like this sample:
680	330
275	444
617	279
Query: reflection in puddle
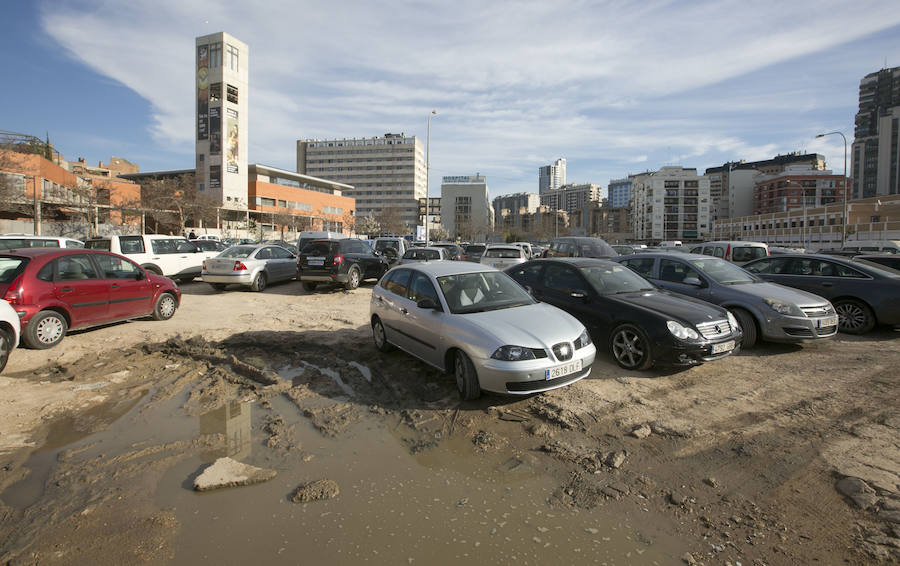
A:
233	421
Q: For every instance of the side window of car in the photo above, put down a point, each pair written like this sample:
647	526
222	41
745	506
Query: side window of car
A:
46	272
281	253
697	250
130	244
75	267
528	274
398	282
642	266
420	287
764	266
717	251
844	271
182	246
562	278
163	246
117	268
801	267
675	271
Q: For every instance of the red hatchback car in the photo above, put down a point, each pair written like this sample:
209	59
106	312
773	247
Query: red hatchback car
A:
54	290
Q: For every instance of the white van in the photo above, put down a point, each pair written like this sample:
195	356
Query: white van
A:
736	252
171	256
670	244
872	246
18	241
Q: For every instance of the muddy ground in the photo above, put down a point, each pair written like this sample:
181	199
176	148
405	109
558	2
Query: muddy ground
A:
780	455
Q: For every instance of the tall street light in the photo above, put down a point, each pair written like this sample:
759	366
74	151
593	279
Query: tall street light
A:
846	187
427	169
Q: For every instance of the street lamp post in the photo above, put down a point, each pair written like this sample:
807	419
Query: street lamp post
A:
846	188
427	168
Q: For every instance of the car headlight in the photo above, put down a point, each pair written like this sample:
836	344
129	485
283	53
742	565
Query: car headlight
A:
583	340
732	321
782	307
513	353
681	331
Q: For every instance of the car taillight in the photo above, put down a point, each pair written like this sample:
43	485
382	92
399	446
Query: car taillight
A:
338	259
14	293
239	266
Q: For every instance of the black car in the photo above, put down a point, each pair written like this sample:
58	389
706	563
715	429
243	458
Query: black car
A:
580	247
347	261
641	324
862	294
456	252
887	260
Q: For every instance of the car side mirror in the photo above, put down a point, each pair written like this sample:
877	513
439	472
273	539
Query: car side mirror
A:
428	304
693	281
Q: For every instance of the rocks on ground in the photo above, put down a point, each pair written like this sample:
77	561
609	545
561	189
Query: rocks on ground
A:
226	472
316	491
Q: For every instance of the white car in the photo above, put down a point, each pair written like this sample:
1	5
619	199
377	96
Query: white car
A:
480	325
501	257
9	328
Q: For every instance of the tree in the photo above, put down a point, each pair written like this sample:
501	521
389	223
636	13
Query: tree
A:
366	224
439	234
349	220
390	222
12	186
175	200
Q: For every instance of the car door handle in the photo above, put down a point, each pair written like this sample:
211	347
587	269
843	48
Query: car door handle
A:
114	286
827	284
67	289
403	310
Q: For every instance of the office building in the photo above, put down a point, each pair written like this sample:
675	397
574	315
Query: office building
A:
386	172
875	153
509	210
619	192
466	213
670	204
222	118
552	177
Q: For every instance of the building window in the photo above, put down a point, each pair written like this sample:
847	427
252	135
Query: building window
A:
215	92
215	55
232	94
231	57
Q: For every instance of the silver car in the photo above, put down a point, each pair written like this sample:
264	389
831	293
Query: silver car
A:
251	266
414	255
477	323
765	311
502	257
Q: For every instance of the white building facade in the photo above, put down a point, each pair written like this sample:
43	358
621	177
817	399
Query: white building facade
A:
552	177
466	212
670	204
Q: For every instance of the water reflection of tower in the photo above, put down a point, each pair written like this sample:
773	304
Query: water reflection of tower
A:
233	421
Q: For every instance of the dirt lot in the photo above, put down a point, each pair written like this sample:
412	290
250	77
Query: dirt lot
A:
780	455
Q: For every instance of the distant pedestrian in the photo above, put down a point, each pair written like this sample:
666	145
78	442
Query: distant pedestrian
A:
192	236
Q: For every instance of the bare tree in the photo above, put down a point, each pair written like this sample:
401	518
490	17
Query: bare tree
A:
390	222
349	220
175	200
439	234
366	224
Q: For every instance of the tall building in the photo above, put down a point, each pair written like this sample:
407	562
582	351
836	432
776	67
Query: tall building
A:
572	197
620	192
466	213
875	154
385	172
221	111
670	204
509	210
552	177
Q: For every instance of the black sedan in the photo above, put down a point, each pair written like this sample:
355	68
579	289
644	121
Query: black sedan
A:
641	324
863	294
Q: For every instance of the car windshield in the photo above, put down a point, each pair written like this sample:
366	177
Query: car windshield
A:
238	251
10	268
321	248
747	253
723	272
613	279
503	253
475	248
595	248
382	244
482	291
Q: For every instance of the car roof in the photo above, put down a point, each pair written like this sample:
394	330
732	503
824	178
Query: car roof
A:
443	268
669	255
576	261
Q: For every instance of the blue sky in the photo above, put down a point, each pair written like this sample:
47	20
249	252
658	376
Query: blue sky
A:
615	87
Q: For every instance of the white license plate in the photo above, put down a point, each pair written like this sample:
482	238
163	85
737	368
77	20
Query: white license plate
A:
723	347
565	369
827	321
315	261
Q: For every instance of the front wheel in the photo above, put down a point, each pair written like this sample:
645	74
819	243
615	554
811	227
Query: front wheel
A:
466	377
748	327
352	279
631	348
165	307
45	330
259	282
854	317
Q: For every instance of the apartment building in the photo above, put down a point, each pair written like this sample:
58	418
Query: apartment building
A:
510	209
670	204
466	212
797	187
572	198
552	177
385	172
875	155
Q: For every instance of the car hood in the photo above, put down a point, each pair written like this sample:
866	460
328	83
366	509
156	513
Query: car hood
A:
769	290
518	326
675	306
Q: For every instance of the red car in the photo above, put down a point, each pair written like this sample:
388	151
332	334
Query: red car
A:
54	290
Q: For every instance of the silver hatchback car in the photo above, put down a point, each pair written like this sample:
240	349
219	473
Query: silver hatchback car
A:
479	324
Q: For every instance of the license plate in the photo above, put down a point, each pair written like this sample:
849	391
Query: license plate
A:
565	369
315	261
827	321
723	347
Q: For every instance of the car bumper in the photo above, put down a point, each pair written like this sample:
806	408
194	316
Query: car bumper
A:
236	279
327	277
528	377
687	354
795	329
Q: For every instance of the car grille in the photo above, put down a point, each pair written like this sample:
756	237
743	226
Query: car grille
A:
563	351
539	352
815	312
714	329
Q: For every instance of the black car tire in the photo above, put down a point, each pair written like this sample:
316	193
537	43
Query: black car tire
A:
45	330
854	317
631	348
218	286
380	337
466	377
152	269
6	346
309	286
165	307
748	327
353	277
259	283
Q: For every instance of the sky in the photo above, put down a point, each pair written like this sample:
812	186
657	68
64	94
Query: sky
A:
614	87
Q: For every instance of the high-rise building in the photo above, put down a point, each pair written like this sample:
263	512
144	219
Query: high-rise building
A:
552	177
670	204
572	197
221	111
510	209
466	213
620	192
385	172
875	155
